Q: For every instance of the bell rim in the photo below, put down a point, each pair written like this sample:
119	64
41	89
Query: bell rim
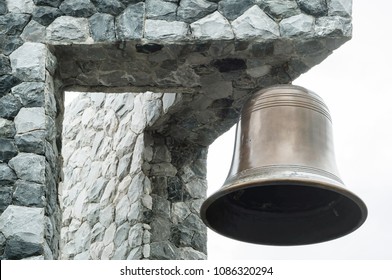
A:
337	188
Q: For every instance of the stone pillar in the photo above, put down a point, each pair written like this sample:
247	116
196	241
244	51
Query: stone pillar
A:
29	153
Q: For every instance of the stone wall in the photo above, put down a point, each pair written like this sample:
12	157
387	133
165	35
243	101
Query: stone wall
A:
212	55
30	137
129	193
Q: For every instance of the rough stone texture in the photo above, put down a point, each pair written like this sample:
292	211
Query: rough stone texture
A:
279	8
52	3
6	83
192	10
102	27
28	62
129	209
7	175
130	23
34	32
254	22
314	7
113	7
23	222
193	63
9	106
29	167
67	29
212	27
161	29
3	8
231	9
77	8
5	198
7	128
160	9
297	25
339	8
46	15
20	6
7	149
5	67
28	117
29	194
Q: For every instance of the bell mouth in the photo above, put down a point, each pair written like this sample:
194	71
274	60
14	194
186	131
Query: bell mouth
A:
284	213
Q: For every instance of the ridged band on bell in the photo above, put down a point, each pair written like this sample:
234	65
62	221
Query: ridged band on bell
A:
283	187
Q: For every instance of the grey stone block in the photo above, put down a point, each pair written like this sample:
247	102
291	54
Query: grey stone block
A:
5	66
30	119
5	197
29	194
7	128
34	32
67	29
32	142
255	23
164	30
29	167
24	222
192	10
7	149
135	253
299	25
279	8
113	7
9	106
31	94
20	6
339	8
122	234
160	9
16	248
46	15
189	253
6	83
102	27
333	26
231	9
28	62
162	251
13	24
7	175
314	7
77	8
129	25
52	3
212	27
9	43
3	8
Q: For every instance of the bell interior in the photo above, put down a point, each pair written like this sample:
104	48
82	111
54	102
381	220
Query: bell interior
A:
284	214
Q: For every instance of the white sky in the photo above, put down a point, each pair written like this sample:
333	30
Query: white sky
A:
355	84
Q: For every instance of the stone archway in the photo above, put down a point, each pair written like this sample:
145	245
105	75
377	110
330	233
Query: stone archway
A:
202	58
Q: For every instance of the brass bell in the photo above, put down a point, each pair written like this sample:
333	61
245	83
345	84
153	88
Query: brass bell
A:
283	187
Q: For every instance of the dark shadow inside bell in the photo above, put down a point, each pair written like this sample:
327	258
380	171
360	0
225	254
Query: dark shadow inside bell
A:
284	214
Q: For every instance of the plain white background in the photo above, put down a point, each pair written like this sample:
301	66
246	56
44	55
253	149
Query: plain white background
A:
354	82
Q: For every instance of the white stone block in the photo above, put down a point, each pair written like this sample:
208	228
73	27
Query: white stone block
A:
23	222
212	27
255	23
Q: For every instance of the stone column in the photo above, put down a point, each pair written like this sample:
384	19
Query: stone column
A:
29	154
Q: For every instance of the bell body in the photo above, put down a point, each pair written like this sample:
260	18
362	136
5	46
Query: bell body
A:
283	187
